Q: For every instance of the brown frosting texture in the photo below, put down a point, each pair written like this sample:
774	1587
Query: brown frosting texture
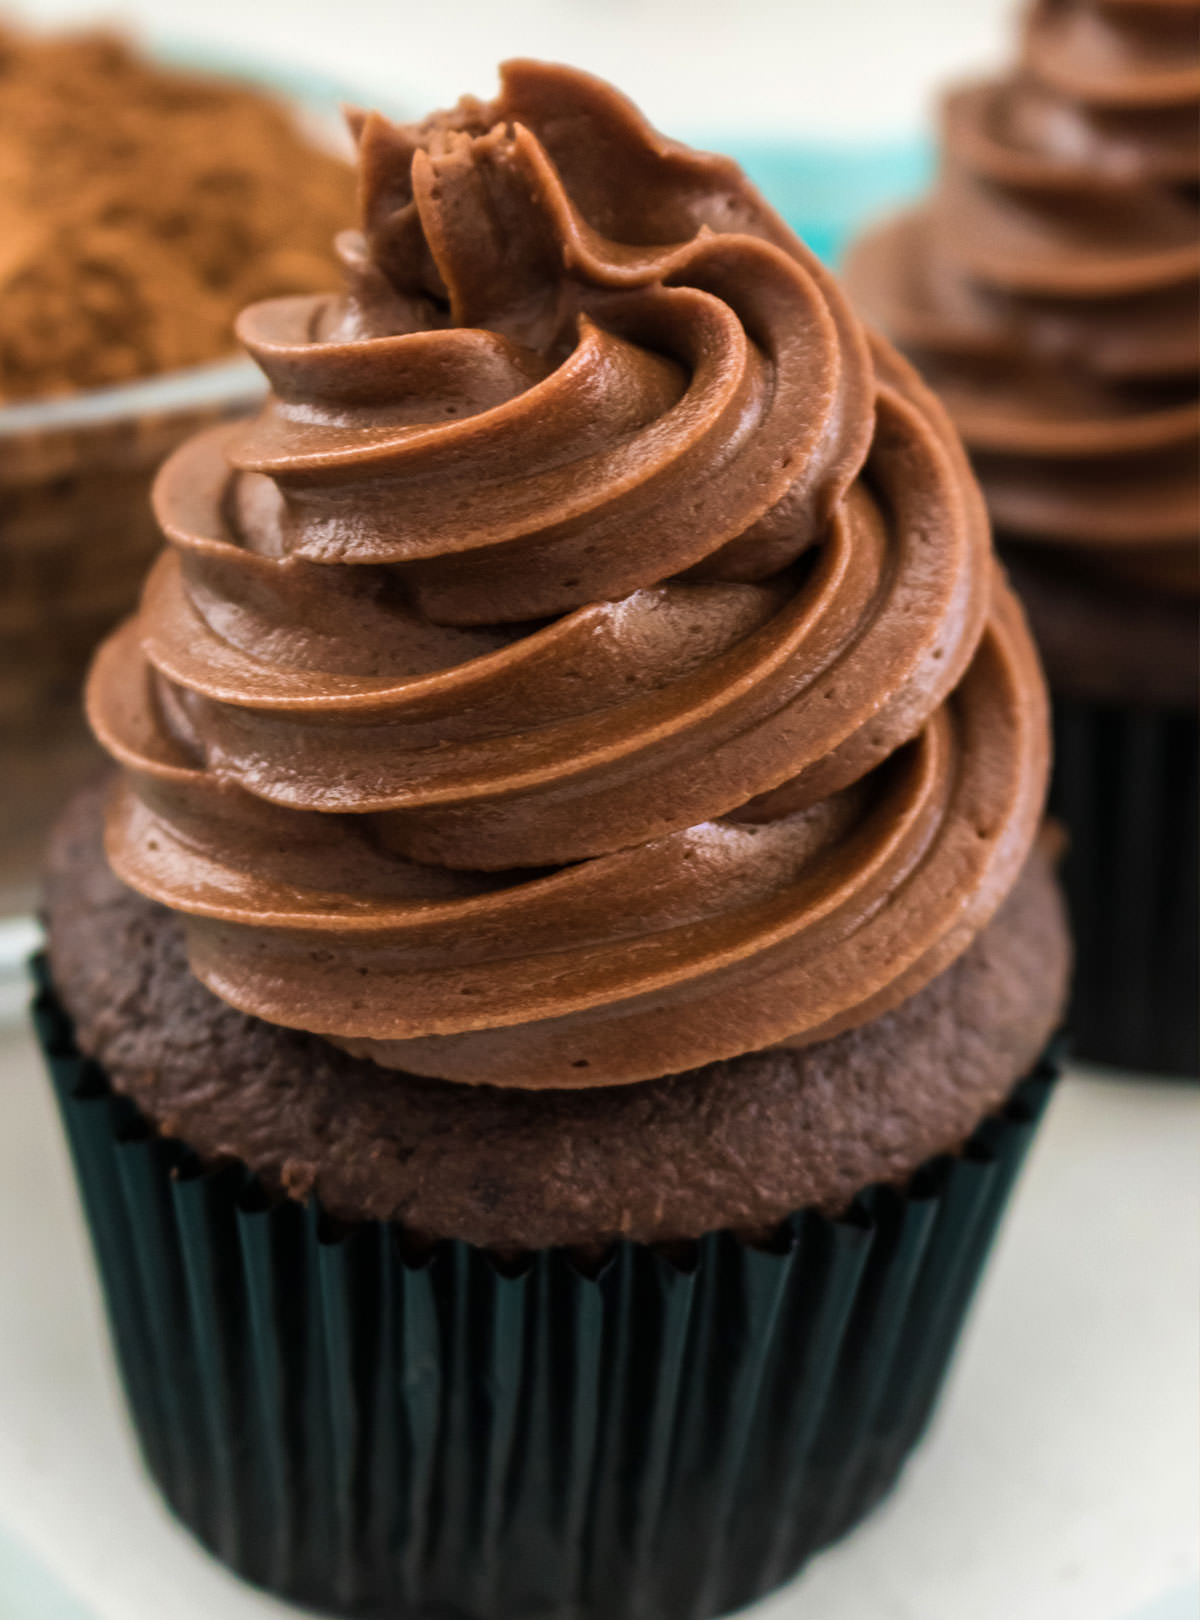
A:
1050	287
591	663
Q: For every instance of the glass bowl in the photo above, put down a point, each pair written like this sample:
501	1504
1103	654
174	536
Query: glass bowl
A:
76	537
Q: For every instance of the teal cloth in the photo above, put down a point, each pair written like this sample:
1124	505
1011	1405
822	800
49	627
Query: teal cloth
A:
827	193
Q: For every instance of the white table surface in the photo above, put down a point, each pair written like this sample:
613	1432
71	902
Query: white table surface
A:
1059	1482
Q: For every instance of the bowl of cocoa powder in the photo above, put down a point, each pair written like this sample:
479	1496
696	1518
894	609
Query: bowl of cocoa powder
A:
142	205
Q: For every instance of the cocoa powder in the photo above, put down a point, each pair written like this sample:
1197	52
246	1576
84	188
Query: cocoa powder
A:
141	208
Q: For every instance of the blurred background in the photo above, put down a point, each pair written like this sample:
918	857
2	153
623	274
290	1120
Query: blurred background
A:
852	69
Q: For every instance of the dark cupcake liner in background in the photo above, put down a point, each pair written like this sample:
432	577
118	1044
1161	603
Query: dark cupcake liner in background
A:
373	1432
1126	788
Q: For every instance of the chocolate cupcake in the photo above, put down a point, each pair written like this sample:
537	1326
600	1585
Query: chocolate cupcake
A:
1050	291
563	989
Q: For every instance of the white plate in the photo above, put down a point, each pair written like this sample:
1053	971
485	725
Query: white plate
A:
1058	1484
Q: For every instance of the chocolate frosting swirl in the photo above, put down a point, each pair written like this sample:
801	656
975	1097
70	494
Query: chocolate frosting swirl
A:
591	663
1050	287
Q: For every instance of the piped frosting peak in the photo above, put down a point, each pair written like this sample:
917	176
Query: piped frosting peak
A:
591	663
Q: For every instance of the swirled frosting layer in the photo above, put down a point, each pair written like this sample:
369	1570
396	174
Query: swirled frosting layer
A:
1050	286
591	663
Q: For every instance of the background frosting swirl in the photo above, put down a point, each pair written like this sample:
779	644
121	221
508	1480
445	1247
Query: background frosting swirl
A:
1050	287
591	663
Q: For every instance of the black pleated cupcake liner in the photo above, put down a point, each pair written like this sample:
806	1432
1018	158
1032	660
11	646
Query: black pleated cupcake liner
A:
1127	787
661	1437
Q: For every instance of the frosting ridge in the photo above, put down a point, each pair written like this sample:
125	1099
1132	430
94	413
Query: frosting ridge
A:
1050	286
591	662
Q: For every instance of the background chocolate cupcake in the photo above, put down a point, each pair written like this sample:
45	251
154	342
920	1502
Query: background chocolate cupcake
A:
580	768
1050	291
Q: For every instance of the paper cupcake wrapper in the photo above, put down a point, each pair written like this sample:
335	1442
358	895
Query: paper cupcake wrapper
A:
1125	785
375	1433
